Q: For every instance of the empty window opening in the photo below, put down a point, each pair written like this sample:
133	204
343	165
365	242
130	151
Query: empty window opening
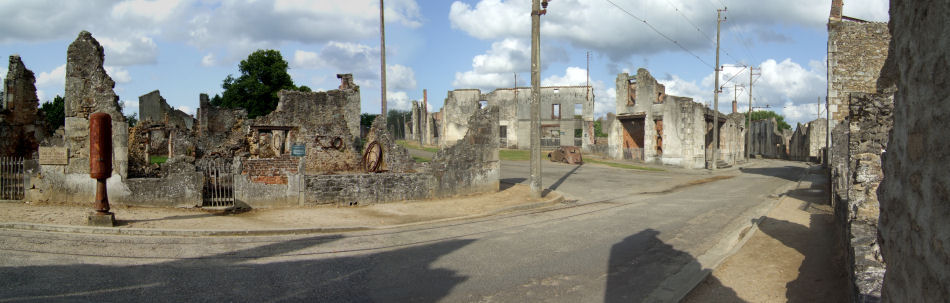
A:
632	93
555	111
482	104
578	110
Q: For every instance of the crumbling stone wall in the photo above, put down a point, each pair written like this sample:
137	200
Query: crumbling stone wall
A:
349	91
807	143
732	139
89	90
154	108
914	228
316	121
767	140
470	166
395	157
21	126
457	107
221	132
857	173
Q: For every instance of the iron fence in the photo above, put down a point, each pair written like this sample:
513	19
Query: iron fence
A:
11	178
550	142
218	190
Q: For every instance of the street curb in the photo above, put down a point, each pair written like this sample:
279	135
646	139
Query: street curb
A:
128	231
742	229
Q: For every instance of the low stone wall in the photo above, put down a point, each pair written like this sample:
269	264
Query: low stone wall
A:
176	190
361	189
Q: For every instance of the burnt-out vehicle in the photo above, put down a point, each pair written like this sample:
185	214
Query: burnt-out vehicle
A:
567	154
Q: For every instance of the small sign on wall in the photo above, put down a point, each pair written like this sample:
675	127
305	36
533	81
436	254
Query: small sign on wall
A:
298	150
53	155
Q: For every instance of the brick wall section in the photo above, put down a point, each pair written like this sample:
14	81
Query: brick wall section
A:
271	171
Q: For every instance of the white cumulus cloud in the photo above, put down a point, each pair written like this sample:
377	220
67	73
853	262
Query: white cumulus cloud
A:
129	51
118	74
55	77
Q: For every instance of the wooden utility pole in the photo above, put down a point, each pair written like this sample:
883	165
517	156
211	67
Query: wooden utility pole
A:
382	56
715	155
536	13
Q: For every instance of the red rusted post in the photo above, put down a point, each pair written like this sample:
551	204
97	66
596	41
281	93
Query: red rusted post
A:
100	157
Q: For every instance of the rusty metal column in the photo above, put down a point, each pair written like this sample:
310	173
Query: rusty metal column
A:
100	166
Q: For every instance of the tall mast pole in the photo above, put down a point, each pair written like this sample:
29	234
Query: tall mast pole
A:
382	57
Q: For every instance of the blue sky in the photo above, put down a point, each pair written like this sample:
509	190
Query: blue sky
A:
187	47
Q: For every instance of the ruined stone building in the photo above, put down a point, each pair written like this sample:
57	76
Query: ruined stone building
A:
807	143
305	152
154	108
567	115
768	141
424	127
860	118
651	126
22	127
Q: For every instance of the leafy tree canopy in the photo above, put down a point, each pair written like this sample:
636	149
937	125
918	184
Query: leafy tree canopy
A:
762	115
263	74
55	113
599	129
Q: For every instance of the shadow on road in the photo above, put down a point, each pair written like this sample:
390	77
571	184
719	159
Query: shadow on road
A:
561	180
790	173
260	274
640	264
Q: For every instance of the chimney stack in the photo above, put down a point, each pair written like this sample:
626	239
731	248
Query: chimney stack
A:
836	6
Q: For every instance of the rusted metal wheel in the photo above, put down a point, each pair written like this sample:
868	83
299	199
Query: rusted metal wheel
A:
337	143
372	156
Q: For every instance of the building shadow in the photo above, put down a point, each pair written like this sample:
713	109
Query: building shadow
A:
399	275
791	173
642	268
507	183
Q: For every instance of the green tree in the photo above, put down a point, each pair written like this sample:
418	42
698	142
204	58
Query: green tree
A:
263	74
599	129
55	113
763	114
304	88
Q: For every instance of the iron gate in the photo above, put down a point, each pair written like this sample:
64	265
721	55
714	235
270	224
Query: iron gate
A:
218	190
11	178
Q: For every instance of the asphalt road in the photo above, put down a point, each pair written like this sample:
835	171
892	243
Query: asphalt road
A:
610	245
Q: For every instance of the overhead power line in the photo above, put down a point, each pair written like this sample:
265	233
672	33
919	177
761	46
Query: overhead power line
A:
660	33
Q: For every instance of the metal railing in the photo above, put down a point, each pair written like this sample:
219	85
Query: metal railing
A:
218	190
12	175
550	142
